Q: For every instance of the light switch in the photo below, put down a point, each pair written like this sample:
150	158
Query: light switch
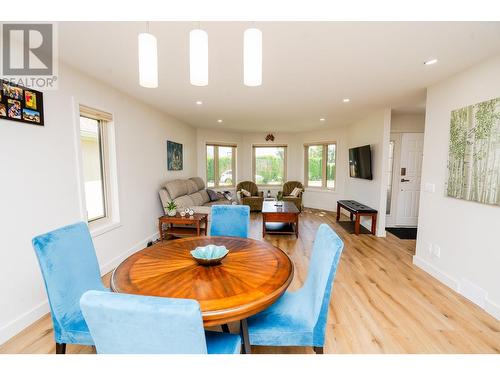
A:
429	187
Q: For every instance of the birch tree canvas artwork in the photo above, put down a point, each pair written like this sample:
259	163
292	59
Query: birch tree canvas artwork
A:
474	153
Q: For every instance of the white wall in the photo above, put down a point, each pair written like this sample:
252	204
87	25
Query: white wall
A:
39	189
373	130
314	198
466	232
407	122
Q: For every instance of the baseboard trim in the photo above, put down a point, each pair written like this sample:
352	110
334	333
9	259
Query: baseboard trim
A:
490	306
113	263
317	207
436	273
15	326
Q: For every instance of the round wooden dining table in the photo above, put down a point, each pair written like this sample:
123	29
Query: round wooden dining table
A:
250	278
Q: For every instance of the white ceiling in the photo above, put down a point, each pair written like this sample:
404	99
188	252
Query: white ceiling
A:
308	67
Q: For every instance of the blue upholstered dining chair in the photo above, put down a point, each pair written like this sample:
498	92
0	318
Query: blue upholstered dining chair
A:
69	267
133	324
299	318
230	220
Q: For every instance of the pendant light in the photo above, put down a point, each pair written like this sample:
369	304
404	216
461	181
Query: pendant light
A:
148	60
252	57
198	57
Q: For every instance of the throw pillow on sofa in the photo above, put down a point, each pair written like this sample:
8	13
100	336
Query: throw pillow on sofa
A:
246	193
295	192
212	195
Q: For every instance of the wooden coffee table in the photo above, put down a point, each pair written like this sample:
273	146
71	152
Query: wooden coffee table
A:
182	231
280	219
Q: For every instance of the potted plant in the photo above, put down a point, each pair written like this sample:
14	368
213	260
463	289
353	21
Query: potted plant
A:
171	208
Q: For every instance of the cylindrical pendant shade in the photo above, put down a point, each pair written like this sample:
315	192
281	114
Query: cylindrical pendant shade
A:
148	61
198	57
252	57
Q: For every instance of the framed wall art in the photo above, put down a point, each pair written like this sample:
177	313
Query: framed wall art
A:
474	153
20	104
174	156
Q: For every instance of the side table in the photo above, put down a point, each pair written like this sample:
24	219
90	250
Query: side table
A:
183	231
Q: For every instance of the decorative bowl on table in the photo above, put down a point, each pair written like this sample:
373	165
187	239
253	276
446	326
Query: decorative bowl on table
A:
209	255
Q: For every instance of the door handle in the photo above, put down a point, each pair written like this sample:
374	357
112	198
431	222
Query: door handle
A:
404	180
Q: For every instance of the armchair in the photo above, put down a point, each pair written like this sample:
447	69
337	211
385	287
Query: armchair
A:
287	190
255	200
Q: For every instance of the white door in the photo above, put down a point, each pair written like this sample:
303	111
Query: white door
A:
412	146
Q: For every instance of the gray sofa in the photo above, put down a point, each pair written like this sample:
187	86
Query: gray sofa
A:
190	193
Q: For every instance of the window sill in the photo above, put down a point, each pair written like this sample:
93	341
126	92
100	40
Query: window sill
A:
320	190
99	229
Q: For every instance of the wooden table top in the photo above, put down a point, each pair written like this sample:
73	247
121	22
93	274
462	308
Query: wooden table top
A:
287	207
252	276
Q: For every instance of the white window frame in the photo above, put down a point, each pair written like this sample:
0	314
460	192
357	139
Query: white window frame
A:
216	146
111	220
324	164
285	161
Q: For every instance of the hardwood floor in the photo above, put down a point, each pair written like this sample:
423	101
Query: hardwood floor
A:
381	302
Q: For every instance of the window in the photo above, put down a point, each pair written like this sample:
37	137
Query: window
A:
390	168
221	165
269	165
95	163
320	165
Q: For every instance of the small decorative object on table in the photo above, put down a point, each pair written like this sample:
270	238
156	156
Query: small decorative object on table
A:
209	255
191	212
279	199
171	208
186	211
183	213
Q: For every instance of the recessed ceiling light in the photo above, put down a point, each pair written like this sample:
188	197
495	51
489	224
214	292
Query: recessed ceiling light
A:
346	100
219	120
430	62
322	119
199	102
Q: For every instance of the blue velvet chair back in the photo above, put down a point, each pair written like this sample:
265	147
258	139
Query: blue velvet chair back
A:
132	324
69	267
318	286
230	220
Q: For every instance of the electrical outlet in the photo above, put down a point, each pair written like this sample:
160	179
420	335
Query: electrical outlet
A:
437	251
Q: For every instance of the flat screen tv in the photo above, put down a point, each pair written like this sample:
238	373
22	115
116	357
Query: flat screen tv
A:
360	162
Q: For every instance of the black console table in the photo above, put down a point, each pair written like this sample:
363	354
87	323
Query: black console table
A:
357	209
